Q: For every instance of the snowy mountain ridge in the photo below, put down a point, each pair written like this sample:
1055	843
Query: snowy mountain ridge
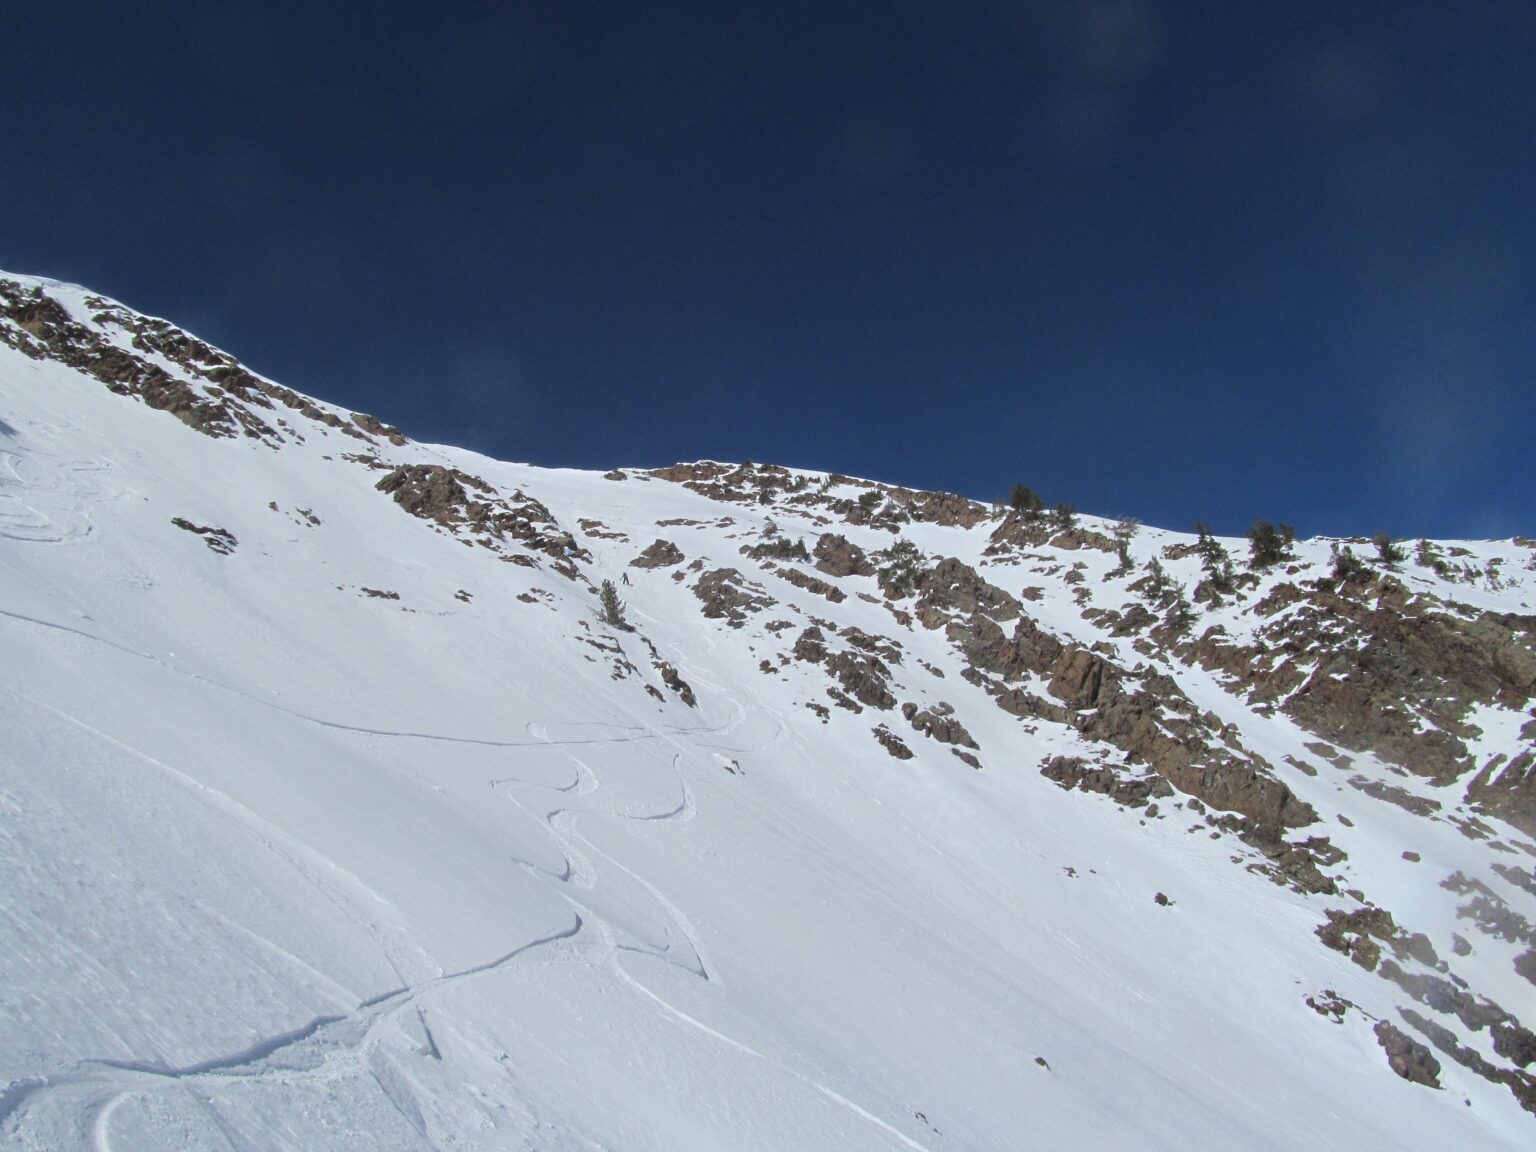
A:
333	814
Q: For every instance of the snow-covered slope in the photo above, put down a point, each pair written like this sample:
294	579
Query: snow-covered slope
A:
332	814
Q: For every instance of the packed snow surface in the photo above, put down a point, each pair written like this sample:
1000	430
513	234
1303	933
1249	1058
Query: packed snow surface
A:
335	842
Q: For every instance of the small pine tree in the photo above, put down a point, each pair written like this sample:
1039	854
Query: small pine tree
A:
900	565
1215	559
1181	613
1063	517
1211	551
610	606
1024	499
1124	532
1349	568
1156	586
1426	555
1387	549
1268	545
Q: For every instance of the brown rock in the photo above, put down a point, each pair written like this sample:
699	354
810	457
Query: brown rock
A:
661	554
727	595
1406	1056
837	557
892	743
866	678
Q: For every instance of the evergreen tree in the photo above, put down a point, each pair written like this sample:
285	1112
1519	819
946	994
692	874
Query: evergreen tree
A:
610	607
1064	517
900	566
1268	545
1387	549
1349	568
1024	499
1214	558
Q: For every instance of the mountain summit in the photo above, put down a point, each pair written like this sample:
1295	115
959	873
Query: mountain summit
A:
359	793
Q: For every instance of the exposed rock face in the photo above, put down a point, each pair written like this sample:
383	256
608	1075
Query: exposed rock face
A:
674	681
728	595
943	508
1018	530
1294	864
811	645
1154	723
1134	792
811	584
467	506
214	393
1508	791
1403	691
662	554
881	646
1359	934
1521	1084
879	505
218	539
865	678
1406	1056
1174	746
1081	679
987	648
837	557
939	723
892	743
745	483
376	427
953	588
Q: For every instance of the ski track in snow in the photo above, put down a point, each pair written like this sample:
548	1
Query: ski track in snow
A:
637	731
327	1048
36	513
78	1104
330	1046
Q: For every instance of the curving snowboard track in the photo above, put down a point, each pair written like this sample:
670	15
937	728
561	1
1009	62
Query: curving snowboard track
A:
74	1107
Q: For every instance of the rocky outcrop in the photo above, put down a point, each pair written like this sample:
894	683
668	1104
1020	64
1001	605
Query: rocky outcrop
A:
892	743
939	723
811	584
218	539
206	389
811	645
1018	531
1508	790
729	596
944	508
865	678
1521	1084
1402	687
468	507
876	645
661	554
673	680
954	589
1133	791
745	483
837	557
373	426
1082	679
1406	1056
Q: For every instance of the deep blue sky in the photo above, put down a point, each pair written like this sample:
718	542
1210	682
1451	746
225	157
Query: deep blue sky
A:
1173	260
